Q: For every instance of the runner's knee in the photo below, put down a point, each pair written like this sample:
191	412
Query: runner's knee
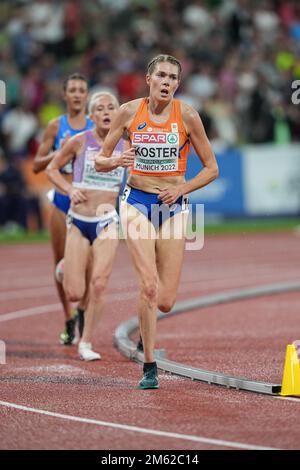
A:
165	305
150	289
74	293
98	286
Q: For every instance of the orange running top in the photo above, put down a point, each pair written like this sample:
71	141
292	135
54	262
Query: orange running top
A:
161	149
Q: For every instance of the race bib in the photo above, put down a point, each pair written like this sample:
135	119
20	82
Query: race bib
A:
106	181
156	152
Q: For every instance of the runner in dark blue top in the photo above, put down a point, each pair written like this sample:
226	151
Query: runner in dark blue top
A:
58	131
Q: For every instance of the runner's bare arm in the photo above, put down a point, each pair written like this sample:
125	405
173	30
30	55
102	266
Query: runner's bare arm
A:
61	158
201	144
203	149
104	161
43	157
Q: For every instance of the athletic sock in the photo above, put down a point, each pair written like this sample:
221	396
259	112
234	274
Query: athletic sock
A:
149	366
80	312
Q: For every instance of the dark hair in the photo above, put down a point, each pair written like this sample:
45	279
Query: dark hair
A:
74	76
163	58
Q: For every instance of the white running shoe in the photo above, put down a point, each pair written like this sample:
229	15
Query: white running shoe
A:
86	353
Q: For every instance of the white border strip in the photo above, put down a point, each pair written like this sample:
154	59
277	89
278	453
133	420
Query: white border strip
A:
297	400
124	427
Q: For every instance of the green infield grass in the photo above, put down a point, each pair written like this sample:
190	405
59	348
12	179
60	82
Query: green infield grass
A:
16	235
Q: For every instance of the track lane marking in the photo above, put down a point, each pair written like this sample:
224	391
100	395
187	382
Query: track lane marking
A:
27	312
55	307
288	399
125	427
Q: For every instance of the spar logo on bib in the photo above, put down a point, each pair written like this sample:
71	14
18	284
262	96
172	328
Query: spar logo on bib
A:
149	138
172	139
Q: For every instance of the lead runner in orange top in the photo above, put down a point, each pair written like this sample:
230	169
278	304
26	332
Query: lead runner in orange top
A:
160	129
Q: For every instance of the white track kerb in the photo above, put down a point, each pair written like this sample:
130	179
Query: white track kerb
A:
128	348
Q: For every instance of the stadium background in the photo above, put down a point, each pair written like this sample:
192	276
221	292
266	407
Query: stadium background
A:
239	60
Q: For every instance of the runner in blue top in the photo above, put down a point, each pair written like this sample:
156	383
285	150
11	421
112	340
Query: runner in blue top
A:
58	131
92	218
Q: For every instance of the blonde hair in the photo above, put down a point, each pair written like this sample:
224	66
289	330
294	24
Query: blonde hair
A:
163	58
99	94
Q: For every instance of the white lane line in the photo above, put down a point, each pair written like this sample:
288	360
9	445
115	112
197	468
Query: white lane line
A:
124	427
55	307
30	311
288	399
48	290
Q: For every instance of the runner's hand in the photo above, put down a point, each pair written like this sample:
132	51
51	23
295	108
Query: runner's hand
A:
170	194
77	196
126	160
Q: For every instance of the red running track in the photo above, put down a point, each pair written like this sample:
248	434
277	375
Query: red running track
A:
246	338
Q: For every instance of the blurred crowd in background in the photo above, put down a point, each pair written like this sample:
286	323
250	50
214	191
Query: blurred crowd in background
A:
239	60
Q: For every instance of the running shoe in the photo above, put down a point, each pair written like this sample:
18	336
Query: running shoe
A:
86	353
68	336
150	379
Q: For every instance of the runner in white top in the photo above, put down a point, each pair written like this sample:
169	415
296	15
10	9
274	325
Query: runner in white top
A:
92	219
